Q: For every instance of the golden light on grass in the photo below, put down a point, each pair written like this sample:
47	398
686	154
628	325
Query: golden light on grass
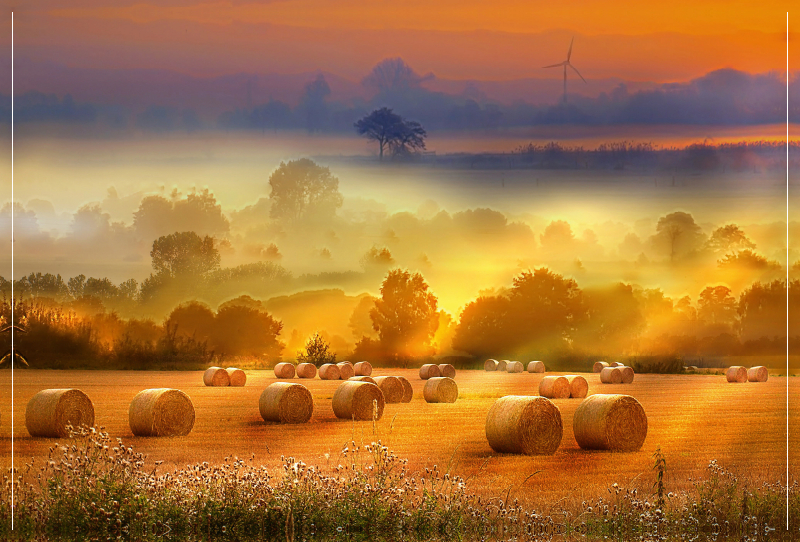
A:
216	376
286	402
524	425
49	412
358	401
610	422
161	412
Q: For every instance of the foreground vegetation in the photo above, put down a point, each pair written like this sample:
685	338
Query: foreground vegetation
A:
92	486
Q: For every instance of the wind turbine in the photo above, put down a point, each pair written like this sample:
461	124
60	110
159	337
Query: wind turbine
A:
565	64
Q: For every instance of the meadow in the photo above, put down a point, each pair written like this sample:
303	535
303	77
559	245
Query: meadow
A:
693	419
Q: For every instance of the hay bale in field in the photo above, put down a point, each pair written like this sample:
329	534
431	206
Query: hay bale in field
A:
502	364
758	373
626	373
408	391
514	367
554	387
578	387
306	370
611	375
161	412
362	379
536	367
445	369
329	371
429	370
614	364
286	402
49	412
216	376
736	373
599	366
440	390
524	425
355	400
363	368
490	365
236	376
346	370
391	387
284	370
610	422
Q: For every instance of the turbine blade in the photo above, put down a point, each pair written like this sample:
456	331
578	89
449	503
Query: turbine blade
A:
554	65
579	73
569	53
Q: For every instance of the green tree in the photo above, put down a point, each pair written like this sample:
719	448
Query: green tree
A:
184	255
303	191
316	351
405	316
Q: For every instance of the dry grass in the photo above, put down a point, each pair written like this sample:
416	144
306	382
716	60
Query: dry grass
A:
712	420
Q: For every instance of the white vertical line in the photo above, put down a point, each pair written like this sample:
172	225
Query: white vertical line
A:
787	271
12	271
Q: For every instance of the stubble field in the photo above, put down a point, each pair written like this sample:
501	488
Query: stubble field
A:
692	418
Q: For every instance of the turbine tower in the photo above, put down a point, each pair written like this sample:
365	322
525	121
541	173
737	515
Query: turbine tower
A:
565	64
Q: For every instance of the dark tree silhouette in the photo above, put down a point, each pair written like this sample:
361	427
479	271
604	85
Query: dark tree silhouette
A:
391	74
405	316
390	131
184	255
729	239
482	328
677	235
303	191
314	103
717	306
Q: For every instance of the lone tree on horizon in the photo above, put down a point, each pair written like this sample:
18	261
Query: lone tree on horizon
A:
390	130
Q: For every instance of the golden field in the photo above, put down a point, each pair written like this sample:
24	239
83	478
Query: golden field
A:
693	418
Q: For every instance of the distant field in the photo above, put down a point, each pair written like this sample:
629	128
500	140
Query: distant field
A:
694	419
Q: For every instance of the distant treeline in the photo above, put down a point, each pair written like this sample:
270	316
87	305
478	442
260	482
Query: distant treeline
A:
722	97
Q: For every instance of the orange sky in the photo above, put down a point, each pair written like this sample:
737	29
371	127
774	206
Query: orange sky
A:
455	39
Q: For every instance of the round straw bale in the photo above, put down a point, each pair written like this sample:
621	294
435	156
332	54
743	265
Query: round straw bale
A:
408	391
757	374
161	412
284	370
391	387
614	364
237	376
578	387
363	368
445	369
440	390
554	387
429	370
49	412
356	400
362	379
216	376
502	364
626	373
736	373
610	422
515	367
536	367
611	375
490	365
306	370
286	402
329	371
524	425
346	370
599	366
